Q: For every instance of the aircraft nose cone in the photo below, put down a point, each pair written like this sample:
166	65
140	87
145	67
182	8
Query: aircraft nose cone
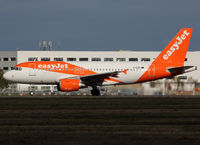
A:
7	76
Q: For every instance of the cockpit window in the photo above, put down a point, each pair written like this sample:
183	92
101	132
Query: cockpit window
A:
17	68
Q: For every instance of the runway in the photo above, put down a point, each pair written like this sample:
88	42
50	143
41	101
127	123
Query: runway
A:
100	120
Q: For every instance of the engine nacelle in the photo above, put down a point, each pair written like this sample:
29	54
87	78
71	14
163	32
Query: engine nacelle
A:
69	85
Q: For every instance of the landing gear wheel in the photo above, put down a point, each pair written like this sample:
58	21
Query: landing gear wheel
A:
31	93
95	92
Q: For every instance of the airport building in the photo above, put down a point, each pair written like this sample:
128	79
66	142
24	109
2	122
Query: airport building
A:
186	82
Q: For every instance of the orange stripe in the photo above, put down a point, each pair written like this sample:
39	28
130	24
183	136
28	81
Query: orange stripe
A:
60	67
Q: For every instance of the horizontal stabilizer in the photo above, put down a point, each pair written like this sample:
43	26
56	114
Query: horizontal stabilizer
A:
183	69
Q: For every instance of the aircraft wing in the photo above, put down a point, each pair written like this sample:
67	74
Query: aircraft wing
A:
98	79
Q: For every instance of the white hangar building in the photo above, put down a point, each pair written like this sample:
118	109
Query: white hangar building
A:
8	59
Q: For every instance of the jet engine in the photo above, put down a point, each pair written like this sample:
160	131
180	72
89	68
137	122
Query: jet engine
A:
68	85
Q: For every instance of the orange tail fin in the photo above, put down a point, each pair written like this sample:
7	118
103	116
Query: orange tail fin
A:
176	50
172	56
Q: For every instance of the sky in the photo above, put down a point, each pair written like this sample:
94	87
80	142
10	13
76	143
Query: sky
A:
87	25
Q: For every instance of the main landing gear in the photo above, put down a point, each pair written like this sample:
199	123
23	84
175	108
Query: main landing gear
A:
31	93
95	92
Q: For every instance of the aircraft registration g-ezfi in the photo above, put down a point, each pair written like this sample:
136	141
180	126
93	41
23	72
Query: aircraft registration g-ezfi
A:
73	76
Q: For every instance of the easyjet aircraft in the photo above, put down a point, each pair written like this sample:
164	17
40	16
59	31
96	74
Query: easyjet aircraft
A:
76	75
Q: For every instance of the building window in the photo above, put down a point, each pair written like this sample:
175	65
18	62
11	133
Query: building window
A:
153	84
5	68
182	77
121	59
13	59
34	88
133	59
96	59
83	59
32	59
71	59
45	59
108	59
145	59
55	88
5	59
45	88
58	59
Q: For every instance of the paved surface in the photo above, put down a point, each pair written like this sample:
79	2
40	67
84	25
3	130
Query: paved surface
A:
100	121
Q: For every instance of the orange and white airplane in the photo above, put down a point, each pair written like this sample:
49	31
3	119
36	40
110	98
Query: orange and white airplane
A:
76	75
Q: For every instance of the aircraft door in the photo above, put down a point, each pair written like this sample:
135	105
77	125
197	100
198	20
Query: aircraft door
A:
32	69
151	72
81	70
77	70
